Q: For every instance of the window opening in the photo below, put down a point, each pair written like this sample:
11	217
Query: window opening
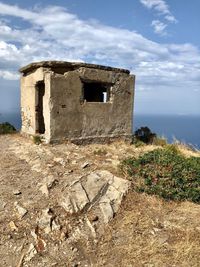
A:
96	92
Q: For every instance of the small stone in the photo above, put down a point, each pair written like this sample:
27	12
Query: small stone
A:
30	253
85	165
92	230
17	192
41	244
55	226
13	226
45	221
74	249
44	190
63	236
2	205
60	161
21	211
51	182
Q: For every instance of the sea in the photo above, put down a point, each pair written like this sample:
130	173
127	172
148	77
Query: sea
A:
183	128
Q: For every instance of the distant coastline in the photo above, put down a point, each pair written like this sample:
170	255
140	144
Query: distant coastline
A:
12	117
185	128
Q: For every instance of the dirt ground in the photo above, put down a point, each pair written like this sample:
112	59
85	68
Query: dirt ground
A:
146	231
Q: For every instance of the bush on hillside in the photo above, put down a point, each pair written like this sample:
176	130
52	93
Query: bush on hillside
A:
7	128
165	172
144	135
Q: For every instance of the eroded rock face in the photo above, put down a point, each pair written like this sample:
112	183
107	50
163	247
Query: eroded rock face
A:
100	190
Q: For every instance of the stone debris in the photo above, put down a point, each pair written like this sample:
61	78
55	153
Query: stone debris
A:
85	165
45	221
92	229
21	211
49	182
2	205
77	203
17	192
31	252
55	226
44	189
60	161
13	226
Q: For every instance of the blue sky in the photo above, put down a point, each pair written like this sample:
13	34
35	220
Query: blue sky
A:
157	40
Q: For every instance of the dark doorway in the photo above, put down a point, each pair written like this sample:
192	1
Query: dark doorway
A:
96	92
40	91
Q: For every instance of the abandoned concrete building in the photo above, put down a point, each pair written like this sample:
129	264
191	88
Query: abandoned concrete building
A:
76	101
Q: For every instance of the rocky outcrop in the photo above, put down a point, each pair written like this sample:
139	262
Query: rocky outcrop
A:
99	190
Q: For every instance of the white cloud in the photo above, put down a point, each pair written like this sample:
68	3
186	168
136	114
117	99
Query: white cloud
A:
159	27
53	33
161	7
8	75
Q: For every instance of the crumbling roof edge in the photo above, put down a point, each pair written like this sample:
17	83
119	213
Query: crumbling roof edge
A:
73	65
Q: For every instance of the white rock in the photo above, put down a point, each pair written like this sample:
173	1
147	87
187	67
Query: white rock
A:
100	189
45	221
92	230
17	192
44	189
55	226
106	210
60	160
21	211
66	203
93	185
50	181
85	165
30	253
74	198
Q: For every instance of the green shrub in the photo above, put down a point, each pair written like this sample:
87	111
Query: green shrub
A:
7	128
144	135
37	139
165	172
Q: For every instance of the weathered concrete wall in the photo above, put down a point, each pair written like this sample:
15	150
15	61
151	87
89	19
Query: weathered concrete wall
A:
73	119
29	100
66	114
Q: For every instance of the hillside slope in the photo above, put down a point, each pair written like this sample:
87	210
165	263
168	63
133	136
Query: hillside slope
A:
37	230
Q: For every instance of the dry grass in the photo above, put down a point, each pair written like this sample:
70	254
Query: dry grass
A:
150	232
